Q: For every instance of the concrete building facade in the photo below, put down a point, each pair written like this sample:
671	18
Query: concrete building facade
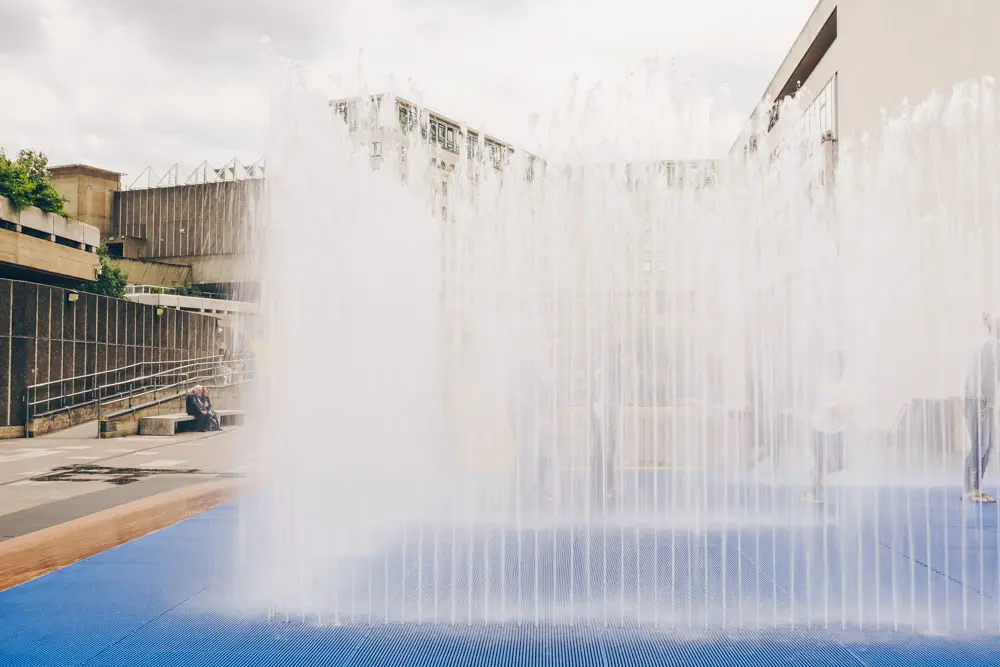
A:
35	245
854	64
856	60
202	230
88	193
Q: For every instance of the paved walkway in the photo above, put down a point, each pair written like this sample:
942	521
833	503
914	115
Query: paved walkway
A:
70	474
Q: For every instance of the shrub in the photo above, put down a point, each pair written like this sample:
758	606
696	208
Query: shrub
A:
111	282
25	182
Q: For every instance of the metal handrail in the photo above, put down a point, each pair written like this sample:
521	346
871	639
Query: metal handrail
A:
183	371
186	382
121	368
137	290
169	371
89	392
188	376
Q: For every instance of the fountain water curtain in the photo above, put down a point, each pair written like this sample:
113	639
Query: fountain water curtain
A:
583	396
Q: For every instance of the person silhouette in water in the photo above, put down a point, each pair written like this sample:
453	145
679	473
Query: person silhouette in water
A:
828	423
980	411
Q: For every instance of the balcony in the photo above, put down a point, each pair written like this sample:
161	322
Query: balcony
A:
36	245
161	297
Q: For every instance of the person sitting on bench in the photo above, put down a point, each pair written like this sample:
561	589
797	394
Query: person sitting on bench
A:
199	406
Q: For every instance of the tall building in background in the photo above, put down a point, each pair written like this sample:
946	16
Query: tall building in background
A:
388	125
856	60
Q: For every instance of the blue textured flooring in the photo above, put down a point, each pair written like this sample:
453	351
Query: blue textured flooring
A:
863	586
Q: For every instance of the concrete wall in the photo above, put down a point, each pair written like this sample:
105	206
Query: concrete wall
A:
32	254
904	49
188	220
89	193
159	274
37	242
815	22
44	337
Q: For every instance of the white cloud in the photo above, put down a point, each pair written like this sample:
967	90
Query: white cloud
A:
123	84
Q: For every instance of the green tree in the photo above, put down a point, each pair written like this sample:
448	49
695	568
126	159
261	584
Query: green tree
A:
25	181
112	280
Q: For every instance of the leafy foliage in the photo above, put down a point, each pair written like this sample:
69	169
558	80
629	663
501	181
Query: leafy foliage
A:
25	182
111	282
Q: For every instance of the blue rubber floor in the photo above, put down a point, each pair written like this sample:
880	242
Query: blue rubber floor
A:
895	563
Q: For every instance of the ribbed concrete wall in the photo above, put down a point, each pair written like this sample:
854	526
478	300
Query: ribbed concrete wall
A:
44	337
188	220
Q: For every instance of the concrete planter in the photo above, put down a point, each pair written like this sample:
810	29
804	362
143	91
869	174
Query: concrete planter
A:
54	226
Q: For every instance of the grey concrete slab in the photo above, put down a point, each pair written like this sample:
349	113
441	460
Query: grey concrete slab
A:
67	475
57	512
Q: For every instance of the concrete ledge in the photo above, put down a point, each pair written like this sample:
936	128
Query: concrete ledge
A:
51	224
11	432
36	254
54	423
126	422
34	555
163	424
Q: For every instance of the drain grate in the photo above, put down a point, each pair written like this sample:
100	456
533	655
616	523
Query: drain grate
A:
109	474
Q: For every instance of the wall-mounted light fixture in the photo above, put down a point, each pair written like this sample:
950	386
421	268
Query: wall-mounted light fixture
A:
72	296
159	311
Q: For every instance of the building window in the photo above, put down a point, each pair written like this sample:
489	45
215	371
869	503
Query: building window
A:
496	155
407	118
340	108
375	149
444	188
647	267
472	146
443	134
444	213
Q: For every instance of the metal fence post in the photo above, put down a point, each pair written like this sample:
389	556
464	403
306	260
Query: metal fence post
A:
27	412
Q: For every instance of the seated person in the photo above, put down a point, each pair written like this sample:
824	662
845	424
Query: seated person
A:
206	401
199	406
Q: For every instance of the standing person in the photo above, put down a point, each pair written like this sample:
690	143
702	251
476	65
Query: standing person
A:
605	422
529	412
980	415
828	423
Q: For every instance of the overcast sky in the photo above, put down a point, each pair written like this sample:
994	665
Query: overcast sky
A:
122	84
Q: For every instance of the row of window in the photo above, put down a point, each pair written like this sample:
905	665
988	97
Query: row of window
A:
441	134
449	137
437	131
818	120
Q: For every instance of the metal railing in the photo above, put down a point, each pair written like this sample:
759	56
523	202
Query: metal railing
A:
133	290
134	385
139	392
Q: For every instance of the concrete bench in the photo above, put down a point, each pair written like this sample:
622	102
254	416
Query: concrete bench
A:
168	424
